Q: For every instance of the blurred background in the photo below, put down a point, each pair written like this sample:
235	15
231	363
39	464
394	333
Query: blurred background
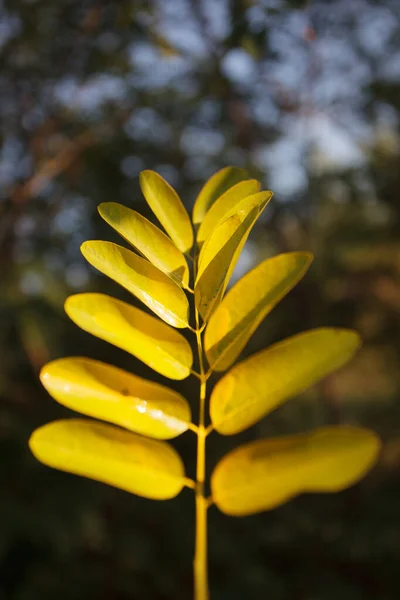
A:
306	95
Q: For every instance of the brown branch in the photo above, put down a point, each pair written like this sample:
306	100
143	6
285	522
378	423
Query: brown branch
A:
53	167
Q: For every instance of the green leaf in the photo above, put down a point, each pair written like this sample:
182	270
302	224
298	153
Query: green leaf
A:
100	390
217	185
247	304
223	205
264	474
148	239
168	208
220	253
156	344
257	385
155	289
125	460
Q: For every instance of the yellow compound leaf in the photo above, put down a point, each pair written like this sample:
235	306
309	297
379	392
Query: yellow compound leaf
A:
156	344
257	385
220	253
223	205
125	460
155	289
168	208
264	474
148	239
217	185
247	304
111	394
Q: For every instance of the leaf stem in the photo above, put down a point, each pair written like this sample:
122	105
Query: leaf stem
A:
209	501
193	427
196	374
190	483
208	374
200	556
209	429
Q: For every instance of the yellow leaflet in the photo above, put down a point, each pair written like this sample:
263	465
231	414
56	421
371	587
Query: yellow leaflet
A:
128	461
155	289
150	340
148	239
214	188
168	208
216	242
260	383
220	253
264	474
111	394
226	228
247	304
223	205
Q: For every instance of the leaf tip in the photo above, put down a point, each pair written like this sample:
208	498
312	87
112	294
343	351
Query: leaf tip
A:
44	374
354	339
145	175
34	443
308	257
86	248
68	304
102	208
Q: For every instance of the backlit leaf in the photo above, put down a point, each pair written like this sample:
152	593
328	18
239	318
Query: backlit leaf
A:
266	379
148	239
226	228
247	304
156	344
264	474
155	289
223	205
168	208
221	251
214	188
125	460
111	394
